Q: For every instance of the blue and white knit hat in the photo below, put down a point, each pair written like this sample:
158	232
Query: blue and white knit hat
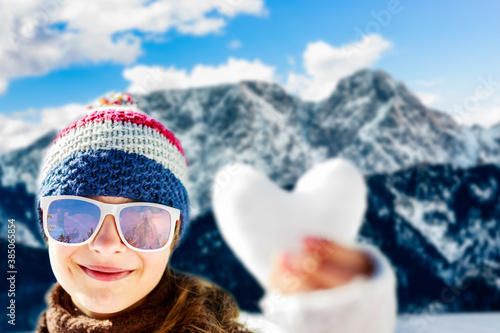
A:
117	151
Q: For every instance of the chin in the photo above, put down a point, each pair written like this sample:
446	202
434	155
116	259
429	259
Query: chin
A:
102	306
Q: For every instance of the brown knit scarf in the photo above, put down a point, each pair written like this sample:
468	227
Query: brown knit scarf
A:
62	316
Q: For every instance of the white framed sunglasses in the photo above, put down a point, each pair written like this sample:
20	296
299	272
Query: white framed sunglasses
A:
74	221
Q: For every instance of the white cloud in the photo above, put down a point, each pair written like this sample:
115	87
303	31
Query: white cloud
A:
428	99
202	26
486	112
3	85
38	37
234	44
20	129
233	7
480	106
325	65
485	117
144	79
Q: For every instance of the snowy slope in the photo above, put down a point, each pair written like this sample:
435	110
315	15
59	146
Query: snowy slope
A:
440	226
383	127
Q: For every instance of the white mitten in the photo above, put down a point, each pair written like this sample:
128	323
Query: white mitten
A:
257	218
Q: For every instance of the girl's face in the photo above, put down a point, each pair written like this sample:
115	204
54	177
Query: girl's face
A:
104	277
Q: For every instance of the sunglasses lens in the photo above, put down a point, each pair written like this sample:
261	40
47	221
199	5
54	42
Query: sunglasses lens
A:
72	221
145	227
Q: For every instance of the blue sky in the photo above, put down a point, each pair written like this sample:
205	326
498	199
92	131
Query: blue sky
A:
442	51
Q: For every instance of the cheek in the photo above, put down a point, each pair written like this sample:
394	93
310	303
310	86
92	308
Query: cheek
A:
154	265
60	258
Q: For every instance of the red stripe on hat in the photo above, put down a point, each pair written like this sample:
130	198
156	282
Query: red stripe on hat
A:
124	116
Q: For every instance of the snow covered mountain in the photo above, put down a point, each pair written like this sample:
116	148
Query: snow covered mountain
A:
440	226
369	119
433	197
488	143
18	174
382	127
250	122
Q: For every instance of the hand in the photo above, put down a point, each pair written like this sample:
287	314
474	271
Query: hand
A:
322	264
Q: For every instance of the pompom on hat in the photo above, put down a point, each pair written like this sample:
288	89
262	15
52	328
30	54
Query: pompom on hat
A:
117	151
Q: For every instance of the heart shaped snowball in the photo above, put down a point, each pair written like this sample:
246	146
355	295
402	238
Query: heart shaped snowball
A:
257	218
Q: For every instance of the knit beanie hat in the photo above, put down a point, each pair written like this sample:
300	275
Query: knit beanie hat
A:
117	151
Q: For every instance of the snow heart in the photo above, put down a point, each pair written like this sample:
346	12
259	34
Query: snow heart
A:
257	218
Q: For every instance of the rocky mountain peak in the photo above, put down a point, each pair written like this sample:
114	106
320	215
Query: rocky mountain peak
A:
365	83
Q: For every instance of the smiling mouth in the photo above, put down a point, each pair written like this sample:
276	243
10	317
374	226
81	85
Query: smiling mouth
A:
103	273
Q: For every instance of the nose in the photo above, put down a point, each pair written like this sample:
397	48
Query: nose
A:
107	241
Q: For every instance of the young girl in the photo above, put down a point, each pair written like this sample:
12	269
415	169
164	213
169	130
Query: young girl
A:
113	206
